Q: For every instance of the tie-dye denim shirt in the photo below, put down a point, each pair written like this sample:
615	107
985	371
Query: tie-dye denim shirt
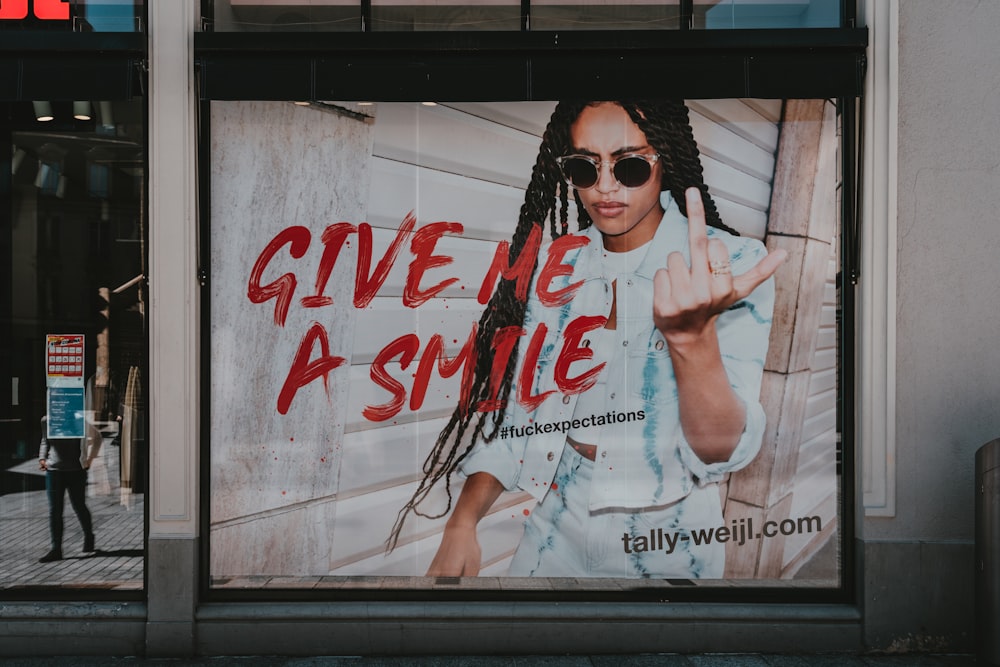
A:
643	459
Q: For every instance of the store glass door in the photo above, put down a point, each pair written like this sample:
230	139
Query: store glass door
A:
73	332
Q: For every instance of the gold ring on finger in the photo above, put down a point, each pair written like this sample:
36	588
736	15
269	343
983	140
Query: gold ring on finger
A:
720	268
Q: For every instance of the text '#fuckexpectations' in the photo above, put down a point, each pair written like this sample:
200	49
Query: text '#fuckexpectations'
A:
739	533
565	425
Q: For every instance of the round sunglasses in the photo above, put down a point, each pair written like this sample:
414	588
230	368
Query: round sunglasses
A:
632	170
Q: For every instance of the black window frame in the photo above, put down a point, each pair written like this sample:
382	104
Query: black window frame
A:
62	67
685	15
827	63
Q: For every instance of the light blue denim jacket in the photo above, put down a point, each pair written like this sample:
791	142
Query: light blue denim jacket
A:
645	461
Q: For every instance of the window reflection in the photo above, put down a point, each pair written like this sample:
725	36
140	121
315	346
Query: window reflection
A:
76	16
417	15
73	347
113	15
445	15
721	14
604	15
286	16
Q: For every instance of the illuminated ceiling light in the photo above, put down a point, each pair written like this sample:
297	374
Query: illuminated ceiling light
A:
429	104
301	104
81	110
43	111
365	104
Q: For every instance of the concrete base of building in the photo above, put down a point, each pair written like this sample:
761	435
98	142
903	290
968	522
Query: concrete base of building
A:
172	585
914	597
534	628
72	628
919	596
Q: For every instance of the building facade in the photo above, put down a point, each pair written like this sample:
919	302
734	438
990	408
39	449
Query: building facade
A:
256	269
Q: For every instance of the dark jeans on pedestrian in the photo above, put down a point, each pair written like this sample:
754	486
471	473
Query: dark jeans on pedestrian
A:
58	483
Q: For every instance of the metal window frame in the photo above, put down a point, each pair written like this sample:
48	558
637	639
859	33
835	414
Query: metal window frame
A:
71	66
121	89
522	66
516	66
64	66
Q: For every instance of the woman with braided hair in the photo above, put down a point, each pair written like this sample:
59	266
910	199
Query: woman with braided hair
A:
652	366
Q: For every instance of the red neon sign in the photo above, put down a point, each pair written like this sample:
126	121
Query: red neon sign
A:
47	10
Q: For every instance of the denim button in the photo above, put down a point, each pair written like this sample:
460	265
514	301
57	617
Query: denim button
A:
659	345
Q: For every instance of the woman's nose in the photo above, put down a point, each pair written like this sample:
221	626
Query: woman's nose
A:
606	181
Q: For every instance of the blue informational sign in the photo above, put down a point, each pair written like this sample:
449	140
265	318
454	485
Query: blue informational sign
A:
65	411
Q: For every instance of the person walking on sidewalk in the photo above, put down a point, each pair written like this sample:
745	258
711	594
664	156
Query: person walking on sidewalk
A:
65	462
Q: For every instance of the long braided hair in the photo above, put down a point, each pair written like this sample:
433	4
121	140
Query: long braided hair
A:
668	130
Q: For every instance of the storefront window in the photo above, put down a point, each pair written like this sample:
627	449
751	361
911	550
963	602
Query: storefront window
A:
432	15
601	15
420	15
283	16
76	16
767	14
374	315
73	316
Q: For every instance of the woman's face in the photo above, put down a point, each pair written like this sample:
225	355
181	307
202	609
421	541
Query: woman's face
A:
626	217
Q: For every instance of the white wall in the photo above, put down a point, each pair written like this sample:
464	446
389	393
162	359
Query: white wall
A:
947	319
929	385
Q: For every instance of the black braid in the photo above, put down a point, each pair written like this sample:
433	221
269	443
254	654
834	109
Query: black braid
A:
668	130
667	127
504	309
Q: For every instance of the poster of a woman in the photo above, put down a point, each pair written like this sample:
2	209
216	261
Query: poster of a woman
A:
677	322
524	340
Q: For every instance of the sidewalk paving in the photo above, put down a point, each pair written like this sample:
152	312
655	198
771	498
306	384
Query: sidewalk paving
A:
119	519
24	538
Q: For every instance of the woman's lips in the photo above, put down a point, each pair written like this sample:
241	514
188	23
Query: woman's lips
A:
609	209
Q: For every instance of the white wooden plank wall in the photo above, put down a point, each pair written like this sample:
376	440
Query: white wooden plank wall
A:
816	482
469	163
421	162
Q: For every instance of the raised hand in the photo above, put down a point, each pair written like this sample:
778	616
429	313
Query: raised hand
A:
687	300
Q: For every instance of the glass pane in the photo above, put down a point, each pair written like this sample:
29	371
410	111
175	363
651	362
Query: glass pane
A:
340	373
415	15
605	15
113	15
72	347
76	16
287	16
713	14
419	15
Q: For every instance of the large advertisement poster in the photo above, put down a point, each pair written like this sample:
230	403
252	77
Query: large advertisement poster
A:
578	342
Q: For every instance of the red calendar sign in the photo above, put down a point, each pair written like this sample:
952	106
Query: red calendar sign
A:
64	358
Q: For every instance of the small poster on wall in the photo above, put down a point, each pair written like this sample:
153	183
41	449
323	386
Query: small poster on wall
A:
64	383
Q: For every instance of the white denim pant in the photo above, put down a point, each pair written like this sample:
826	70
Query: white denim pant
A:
563	538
